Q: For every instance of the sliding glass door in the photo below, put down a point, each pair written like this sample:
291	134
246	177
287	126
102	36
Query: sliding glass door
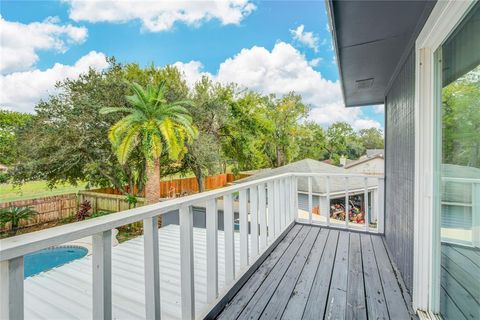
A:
458	170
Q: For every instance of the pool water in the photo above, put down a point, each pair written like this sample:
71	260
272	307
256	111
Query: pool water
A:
47	259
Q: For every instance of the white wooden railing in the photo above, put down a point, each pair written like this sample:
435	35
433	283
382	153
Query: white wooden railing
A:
269	206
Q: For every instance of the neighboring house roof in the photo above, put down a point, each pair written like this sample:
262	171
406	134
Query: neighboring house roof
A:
373	152
319	185
362	159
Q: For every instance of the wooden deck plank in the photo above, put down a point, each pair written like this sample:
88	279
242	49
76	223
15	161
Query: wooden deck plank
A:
469	253
298	300
462	298
337	296
376	305
260	299
471	284
241	299
448	308
317	298
283	292
397	308
460	259
356	306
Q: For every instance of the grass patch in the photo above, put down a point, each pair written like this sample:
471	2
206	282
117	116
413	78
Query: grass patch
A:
34	189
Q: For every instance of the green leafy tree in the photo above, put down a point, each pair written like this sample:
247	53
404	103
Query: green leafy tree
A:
342	140
10	123
371	138
14	216
152	126
311	142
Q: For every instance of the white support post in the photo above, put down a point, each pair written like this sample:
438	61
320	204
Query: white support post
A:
254	221
295	197
271	211
262	216
102	275
380	205
476	214
277	213
328	199
290	199
347	204
310	200
243	229
187	285
212	250
152	269
11	275
366	215
229	239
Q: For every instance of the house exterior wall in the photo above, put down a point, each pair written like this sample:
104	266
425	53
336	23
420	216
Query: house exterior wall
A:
372	166
399	168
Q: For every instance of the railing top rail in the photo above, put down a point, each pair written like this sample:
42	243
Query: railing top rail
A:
339	175
27	243
23	244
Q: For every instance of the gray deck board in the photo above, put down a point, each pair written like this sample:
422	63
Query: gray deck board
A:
337	296
376	305
356	304
261	298
322	273
298	300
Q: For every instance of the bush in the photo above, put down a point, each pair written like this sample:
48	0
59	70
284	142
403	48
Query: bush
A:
4	177
83	211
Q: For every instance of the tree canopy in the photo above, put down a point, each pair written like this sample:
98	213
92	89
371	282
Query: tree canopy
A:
239	129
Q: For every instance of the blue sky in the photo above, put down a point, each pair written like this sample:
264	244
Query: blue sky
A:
269	46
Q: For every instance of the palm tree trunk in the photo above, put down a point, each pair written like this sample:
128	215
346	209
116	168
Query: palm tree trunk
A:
152	187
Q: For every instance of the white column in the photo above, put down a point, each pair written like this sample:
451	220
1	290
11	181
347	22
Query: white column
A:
152	269
243	229
11	283
262	216
212	250
254	221
102	275
187	285
229	239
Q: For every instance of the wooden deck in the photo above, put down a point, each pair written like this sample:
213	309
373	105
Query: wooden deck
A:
460	282
316	273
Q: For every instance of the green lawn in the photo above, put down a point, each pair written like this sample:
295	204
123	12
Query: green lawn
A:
34	189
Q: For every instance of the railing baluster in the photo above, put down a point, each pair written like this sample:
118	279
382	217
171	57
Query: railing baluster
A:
243	229
366	216
295	197
102	275
229	239
380	209
328	199
212	250
152	269
262	216
288	197
254	221
187	285
277	213
347	204
271	209
310	201
11	284
283	210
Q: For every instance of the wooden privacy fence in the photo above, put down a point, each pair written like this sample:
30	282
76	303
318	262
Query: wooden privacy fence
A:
177	187
49	208
107	202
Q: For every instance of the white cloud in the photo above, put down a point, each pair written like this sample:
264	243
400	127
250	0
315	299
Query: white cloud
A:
379	108
20	42
359	124
306	38
279	71
160	15
314	62
36	84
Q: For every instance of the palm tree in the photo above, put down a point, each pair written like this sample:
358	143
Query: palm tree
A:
14	215
152	125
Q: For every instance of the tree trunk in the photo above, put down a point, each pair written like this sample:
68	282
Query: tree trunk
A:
152	187
199	176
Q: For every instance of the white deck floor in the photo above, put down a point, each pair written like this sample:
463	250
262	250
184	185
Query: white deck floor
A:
65	292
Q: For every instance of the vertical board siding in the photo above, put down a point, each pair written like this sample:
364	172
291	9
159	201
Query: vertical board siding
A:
399	168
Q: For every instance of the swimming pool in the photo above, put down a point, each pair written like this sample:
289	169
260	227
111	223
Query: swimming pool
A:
49	258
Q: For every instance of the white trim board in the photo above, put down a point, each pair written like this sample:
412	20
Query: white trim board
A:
443	19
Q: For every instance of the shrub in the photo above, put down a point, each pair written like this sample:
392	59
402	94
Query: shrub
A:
83	211
14	215
4	177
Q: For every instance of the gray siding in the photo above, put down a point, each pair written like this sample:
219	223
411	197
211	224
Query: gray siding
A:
399	168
